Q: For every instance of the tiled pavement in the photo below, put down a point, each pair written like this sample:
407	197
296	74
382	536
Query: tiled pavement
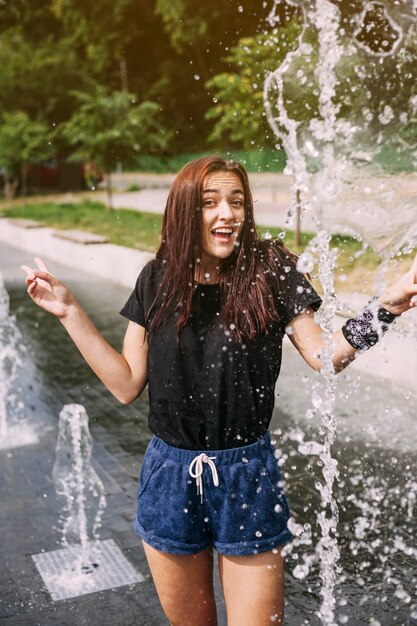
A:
29	516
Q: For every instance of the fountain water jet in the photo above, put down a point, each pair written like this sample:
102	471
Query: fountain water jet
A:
14	431
331	158
84	564
78	484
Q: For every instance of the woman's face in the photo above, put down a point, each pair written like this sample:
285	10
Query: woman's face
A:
223	212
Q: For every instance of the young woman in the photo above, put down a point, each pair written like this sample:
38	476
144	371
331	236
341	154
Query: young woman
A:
206	323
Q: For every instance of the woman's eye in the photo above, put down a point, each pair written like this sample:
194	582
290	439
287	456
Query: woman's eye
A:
208	203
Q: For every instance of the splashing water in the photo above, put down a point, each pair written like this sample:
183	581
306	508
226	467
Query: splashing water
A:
344	143
81	489
337	154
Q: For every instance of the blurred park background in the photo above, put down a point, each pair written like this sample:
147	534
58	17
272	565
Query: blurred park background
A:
142	85
91	93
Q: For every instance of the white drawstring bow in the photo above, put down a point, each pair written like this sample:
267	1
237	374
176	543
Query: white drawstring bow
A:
197	464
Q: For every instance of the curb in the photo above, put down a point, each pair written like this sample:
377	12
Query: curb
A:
106	260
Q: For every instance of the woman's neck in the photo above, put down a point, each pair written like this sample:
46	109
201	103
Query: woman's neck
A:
207	275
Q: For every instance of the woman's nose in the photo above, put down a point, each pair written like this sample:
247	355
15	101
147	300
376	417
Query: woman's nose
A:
225	210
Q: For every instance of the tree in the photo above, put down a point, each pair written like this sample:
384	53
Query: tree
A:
22	141
102	31
108	128
38	74
238	94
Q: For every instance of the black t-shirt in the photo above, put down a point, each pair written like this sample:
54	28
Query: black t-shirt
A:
208	391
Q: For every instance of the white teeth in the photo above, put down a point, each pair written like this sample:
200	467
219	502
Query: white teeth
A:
226	231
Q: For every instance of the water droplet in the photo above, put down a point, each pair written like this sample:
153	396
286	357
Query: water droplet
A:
300	571
305	263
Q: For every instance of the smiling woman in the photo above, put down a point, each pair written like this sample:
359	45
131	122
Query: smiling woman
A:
222	221
207	319
208	233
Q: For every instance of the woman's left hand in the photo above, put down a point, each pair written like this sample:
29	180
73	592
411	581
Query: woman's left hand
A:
402	295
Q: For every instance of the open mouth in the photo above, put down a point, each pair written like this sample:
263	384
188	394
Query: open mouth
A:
223	234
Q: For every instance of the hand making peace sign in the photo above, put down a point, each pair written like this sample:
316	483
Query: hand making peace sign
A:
47	291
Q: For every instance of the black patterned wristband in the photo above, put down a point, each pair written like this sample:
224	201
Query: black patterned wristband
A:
366	329
386	316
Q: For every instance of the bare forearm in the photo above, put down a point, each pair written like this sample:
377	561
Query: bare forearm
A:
343	352
314	350
107	363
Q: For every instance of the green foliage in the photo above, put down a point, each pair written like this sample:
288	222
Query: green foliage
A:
238	95
262	160
100	29
22	141
399	141
172	52
133	187
184	26
112	127
36	77
197	26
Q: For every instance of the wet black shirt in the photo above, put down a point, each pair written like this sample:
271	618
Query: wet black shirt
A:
210	391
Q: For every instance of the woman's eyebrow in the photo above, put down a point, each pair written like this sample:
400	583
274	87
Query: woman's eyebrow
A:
217	191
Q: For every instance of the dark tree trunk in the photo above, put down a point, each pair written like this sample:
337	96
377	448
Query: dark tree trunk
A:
124	79
109	191
11	184
24	180
298	218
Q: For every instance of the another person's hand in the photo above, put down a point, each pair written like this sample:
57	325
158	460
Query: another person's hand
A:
47	291
402	295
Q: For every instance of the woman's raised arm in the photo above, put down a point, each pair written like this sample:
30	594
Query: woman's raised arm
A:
125	375
306	334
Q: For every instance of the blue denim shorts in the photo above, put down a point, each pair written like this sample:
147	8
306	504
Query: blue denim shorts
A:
229	499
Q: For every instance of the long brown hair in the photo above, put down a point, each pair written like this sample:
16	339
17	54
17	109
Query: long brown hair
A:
247	276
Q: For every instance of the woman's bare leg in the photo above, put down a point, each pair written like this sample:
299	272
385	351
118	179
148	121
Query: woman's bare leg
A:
253	587
185	586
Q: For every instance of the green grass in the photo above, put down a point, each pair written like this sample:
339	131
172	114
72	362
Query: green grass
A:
133	229
396	159
355	267
267	160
